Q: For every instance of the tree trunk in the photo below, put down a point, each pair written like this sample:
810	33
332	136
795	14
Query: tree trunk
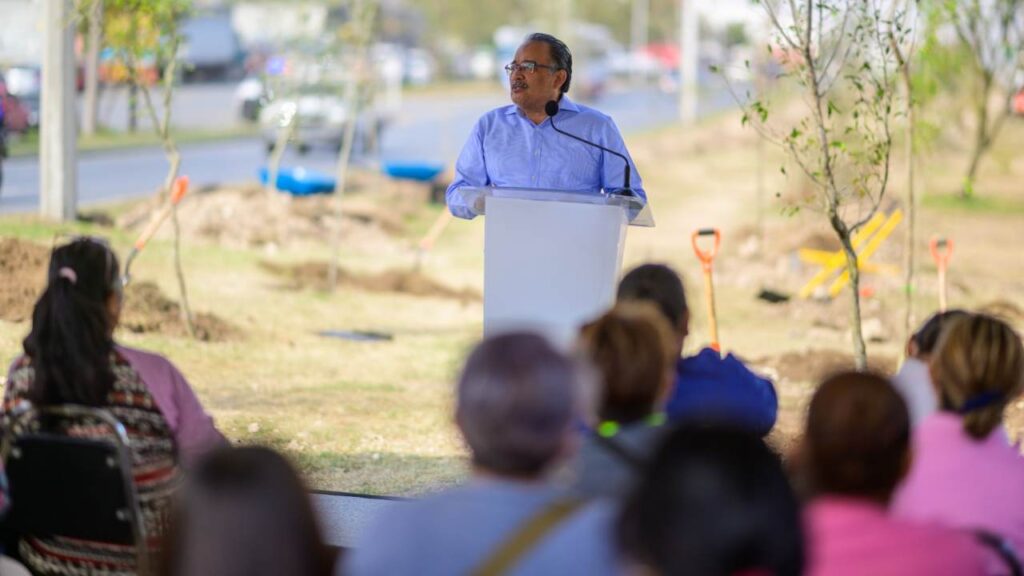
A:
981	142
90	104
284	134
341	173
860	355
133	107
910	242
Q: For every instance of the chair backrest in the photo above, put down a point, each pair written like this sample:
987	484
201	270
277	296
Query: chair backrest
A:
73	487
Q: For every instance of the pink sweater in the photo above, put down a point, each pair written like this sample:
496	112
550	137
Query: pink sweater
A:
193	428
959	481
850	537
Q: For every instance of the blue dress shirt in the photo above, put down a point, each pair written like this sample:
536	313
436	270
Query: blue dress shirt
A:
506	149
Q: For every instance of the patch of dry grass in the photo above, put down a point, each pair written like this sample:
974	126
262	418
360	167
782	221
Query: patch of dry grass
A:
375	416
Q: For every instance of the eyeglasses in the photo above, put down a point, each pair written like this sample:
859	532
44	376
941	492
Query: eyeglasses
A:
528	67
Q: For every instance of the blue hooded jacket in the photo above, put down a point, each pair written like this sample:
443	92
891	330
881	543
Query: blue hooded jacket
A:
711	387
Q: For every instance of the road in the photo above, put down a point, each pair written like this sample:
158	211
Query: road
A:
430	127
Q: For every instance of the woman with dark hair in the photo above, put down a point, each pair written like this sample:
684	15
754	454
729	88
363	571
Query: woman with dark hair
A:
966	473
245	512
632	348
714	502
855	452
71	358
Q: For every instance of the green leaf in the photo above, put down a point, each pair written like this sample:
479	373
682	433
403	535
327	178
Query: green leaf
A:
795	134
832	108
714	68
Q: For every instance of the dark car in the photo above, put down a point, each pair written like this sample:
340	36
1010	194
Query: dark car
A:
23	83
16	115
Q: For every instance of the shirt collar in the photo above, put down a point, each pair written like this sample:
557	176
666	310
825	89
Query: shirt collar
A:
564	103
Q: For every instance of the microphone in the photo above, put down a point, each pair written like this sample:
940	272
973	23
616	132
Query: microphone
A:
551	108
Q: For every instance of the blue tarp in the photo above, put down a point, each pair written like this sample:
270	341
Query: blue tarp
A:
300	181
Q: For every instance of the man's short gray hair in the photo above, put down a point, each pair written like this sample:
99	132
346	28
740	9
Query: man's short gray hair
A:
516	400
561	57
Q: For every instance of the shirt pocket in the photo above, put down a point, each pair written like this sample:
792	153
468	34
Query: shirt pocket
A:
507	156
573	165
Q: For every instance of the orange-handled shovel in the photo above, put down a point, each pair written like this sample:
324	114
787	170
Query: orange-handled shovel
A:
427	243
178	190
942	251
706	260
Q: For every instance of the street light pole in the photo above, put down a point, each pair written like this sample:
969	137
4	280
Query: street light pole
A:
639	22
688	42
58	196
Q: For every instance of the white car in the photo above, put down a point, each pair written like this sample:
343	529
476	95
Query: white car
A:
321	120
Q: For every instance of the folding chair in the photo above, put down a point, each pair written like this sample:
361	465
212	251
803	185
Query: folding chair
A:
79	488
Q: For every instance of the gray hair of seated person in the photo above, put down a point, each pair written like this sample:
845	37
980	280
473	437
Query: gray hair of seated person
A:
516	400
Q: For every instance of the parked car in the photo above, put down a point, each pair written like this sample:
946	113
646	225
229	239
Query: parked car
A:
210	49
251	96
24	82
16	115
321	118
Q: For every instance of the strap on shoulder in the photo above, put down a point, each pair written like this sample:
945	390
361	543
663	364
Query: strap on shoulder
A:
526	538
1003	549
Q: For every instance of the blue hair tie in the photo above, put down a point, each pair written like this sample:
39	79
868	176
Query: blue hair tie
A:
979	401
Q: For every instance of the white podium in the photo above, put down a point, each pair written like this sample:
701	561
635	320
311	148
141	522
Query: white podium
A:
551	258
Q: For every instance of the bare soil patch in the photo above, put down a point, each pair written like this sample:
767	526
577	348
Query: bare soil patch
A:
313	275
248	216
815	365
22	277
146	308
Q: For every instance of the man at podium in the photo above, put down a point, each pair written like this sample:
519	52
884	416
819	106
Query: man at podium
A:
518	146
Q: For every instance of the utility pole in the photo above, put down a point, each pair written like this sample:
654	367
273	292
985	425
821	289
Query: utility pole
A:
639	24
688	42
57	146
92	60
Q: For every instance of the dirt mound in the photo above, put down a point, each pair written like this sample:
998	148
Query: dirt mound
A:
22	277
314	275
247	216
813	365
147	310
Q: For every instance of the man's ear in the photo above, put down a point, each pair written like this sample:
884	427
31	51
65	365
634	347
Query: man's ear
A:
560	77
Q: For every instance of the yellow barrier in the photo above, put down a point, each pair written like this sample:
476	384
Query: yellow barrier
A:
877	229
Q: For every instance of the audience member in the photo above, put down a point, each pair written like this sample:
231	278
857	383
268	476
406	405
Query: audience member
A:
71	358
714	502
855	451
966	473
516	404
913	381
633	350
245	512
707	386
